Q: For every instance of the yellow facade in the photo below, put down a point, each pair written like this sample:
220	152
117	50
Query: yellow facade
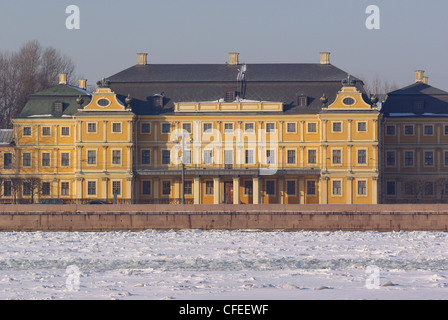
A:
255	153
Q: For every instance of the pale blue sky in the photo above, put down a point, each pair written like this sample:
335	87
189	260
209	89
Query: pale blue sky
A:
412	35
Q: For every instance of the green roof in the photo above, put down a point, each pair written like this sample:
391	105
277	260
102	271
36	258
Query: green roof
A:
41	103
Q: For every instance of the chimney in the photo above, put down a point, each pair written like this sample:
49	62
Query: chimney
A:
83	84
425	80
325	58
233	58
62	78
419	75
142	59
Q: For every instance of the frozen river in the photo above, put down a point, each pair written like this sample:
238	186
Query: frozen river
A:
199	265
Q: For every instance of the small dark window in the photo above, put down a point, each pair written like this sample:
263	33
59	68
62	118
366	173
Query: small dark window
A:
348	101
302	101
146	187
230	96
103	102
57	107
419	106
46	187
7	161
157	101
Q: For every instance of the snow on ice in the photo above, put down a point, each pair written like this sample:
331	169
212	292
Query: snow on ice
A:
208	265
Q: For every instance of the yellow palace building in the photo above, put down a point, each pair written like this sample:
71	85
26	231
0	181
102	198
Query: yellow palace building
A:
198	133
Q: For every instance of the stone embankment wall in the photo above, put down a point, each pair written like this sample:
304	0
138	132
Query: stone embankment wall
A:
224	217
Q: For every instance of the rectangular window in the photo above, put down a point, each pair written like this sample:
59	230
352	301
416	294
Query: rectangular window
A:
26	159
312	127
166	187
428	130
146	157
65	159
362	156
26	131
445	158
187	127
46	131
270	127
145	127
91	188
228	156
337	187
270	187
228	127
408	130
91	127
429	188
188	187
208	157
290	187
91	157
46	159
146	187
250	157
409	158
429	158
116	127
26	189
65	188
166	156
336	156
270	156
186	157
46	187
291	127
116	156
446	130
7	161
390	130
209	187
362	187
116	187
390	188
362	126
166	127
312	156
390	158
291	156
249	127
311	188
337	126
409	188
207	127
248	187
65	131
7	188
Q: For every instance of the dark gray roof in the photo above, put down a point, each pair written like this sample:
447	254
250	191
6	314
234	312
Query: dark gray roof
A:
228	73
6	136
205	82
416	100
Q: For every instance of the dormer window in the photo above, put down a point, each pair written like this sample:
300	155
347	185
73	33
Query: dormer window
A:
302	101
57	107
230	96
419	106
157	101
